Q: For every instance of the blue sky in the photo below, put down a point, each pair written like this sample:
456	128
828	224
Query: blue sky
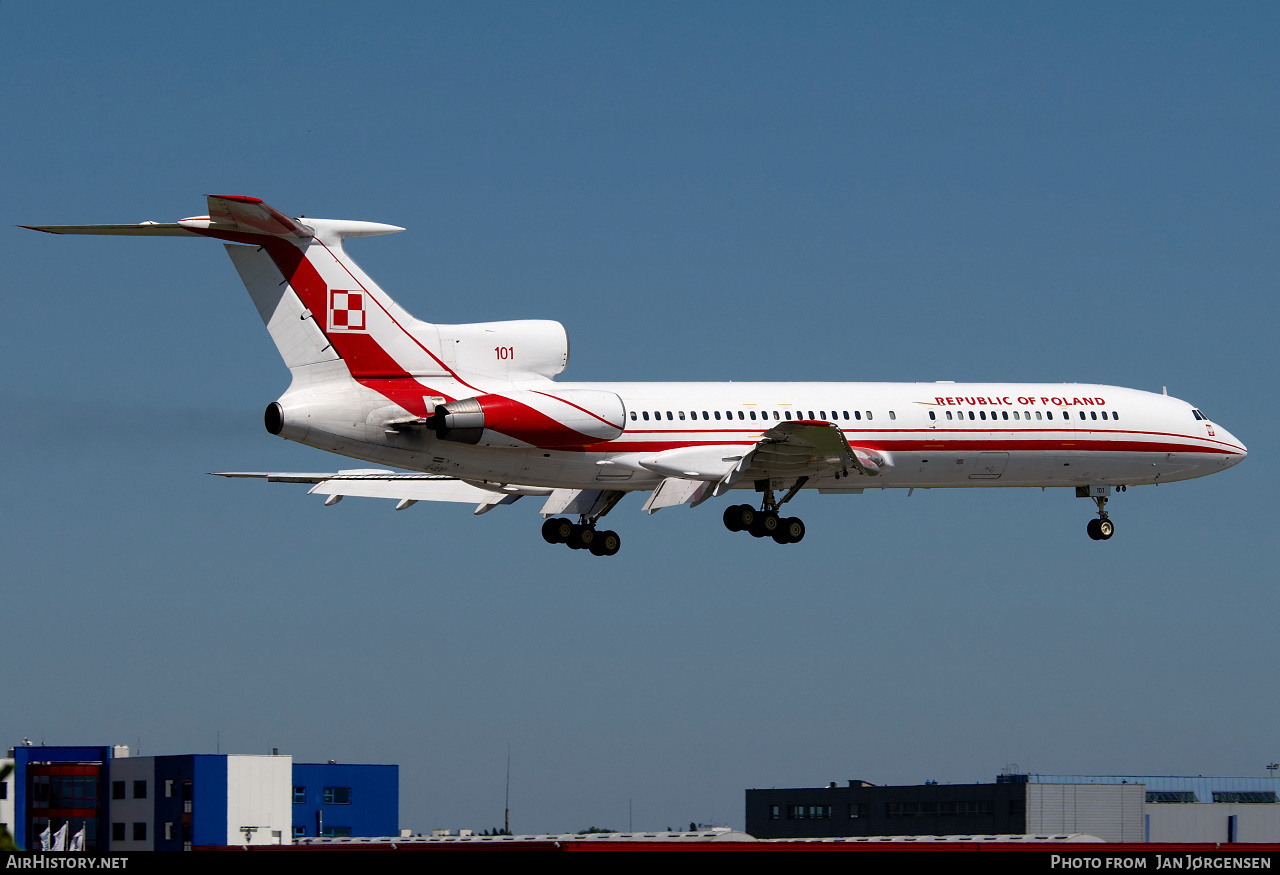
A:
697	191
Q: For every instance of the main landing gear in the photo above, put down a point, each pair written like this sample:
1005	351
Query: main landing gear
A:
765	522
581	536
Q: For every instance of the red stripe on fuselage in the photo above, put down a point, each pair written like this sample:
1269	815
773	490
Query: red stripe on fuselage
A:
583	409
525	423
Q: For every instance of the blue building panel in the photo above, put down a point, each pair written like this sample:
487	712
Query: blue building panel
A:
345	799
209	799
25	813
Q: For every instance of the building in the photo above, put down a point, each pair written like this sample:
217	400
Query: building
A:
6	794
173	803
341	800
1115	808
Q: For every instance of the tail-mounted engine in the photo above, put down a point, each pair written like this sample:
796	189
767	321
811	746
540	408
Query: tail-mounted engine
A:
559	419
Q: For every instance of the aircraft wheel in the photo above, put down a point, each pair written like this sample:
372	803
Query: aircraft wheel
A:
1092	529
556	531
746	516
771	523
587	537
765	524
575	537
606	544
733	518
1106	529
794	527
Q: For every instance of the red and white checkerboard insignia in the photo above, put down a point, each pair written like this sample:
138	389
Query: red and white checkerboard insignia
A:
346	311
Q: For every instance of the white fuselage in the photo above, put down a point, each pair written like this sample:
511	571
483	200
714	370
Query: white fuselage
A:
934	435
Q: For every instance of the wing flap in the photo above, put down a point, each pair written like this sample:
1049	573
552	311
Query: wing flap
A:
675	491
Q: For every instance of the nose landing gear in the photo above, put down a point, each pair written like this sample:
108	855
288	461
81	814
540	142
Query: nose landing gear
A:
1102	528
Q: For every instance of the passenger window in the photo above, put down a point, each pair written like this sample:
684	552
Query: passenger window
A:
846	416
1093	414
633	416
1037	414
1004	414
787	414
753	414
971	414
892	415
982	414
932	415
645	415
1015	414
717	414
704	415
775	415
669	416
869	417
857	414
1104	414
1082	414
822	414
948	414
682	414
1115	415
742	415
811	416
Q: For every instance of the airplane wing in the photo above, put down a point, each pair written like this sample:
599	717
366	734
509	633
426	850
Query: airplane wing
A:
406	489
788	451
803	448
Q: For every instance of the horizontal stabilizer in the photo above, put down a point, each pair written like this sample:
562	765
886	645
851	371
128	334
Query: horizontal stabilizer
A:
144	229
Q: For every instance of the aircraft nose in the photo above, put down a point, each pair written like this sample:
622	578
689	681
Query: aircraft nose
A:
1238	450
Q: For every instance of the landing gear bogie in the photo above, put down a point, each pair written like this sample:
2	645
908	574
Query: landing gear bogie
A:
765	522
581	536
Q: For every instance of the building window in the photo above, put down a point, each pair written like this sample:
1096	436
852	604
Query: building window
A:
168	831
139	789
336	832
117	832
775	812
337	795
1252	797
117	790
4	789
299	832
139	832
168	789
1161	796
299	795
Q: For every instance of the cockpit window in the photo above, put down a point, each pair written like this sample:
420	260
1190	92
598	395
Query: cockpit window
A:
1199	415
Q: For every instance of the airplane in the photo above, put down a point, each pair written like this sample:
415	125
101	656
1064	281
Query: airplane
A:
472	413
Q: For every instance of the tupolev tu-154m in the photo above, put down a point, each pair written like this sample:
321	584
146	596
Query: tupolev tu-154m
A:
473	413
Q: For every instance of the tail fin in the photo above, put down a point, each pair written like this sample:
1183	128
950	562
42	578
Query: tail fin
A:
317	302
320	306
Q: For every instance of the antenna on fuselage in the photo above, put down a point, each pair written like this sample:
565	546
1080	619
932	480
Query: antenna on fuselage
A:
1165	389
